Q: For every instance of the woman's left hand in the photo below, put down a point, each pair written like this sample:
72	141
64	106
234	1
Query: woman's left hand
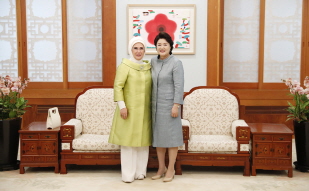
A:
175	110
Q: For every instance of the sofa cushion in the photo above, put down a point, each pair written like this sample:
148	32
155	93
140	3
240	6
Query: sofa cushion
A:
212	143
95	108
92	142
210	111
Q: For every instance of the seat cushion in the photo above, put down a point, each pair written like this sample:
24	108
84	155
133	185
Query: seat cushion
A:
212	143
92	142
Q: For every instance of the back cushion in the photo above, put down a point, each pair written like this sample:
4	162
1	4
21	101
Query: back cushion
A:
210	111
96	109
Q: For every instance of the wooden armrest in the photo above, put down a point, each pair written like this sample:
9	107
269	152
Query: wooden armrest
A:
243	133
67	132
185	132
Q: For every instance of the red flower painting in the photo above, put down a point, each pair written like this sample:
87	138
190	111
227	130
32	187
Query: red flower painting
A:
160	24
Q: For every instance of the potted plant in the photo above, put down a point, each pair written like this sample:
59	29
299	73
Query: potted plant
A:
299	113
12	107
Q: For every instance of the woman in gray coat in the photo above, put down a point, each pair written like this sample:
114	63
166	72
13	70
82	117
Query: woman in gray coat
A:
167	96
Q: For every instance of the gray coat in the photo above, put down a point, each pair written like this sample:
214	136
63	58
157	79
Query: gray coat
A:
167	89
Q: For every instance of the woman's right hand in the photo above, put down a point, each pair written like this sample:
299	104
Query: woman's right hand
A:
124	113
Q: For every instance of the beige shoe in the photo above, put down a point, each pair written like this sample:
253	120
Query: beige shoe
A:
165	179
158	176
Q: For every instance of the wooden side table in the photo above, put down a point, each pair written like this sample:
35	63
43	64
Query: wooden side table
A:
39	147
271	147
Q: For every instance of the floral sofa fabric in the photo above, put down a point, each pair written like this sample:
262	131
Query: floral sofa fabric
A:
92	142
210	111
95	108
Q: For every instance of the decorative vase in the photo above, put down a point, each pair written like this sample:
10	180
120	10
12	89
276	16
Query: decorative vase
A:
9	139
301	132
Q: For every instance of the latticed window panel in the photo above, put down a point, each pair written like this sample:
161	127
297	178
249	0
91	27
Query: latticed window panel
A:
85	40
241	40
282	51
8	39
44	37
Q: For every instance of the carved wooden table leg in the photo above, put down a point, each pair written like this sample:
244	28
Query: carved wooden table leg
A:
57	168
21	169
253	171
290	172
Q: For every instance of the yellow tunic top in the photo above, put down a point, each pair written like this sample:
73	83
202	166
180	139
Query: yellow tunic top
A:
133	86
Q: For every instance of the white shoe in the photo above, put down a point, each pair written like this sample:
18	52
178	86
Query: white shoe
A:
140	177
126	181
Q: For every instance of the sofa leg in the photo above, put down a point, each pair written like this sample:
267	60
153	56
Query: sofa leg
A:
247	168
178	170
63	168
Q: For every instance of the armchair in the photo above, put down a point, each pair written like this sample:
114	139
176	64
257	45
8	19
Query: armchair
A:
217	137
84	139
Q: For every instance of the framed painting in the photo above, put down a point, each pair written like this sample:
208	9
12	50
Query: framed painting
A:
176	20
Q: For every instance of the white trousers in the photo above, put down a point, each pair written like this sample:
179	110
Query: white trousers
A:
134	162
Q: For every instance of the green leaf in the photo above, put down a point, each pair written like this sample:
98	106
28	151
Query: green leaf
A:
12	114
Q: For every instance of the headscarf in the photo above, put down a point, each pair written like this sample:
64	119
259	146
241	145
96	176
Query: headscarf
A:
133	41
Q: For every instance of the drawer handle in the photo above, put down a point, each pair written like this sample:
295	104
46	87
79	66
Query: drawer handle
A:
281	138
30	136
47	136
263	138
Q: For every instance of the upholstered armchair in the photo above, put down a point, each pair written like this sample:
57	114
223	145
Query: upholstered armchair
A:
217	137
84	139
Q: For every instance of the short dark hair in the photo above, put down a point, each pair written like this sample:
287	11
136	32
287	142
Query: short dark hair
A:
167	37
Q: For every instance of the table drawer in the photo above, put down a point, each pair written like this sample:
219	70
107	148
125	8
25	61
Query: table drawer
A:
29	136
262	137
48	136
282	138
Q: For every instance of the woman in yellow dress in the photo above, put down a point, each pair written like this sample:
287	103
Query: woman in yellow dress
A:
132	119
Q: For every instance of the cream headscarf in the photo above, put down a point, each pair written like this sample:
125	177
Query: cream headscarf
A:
133	41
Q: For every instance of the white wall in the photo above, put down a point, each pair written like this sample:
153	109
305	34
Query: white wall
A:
194	65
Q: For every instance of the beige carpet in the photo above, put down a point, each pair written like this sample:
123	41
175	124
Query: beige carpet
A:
93	178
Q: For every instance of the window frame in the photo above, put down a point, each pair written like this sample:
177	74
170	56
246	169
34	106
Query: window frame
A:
108	47
260	84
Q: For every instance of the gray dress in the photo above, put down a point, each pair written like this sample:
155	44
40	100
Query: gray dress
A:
167	89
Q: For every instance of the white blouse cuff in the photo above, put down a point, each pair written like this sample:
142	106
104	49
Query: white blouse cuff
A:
121	104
